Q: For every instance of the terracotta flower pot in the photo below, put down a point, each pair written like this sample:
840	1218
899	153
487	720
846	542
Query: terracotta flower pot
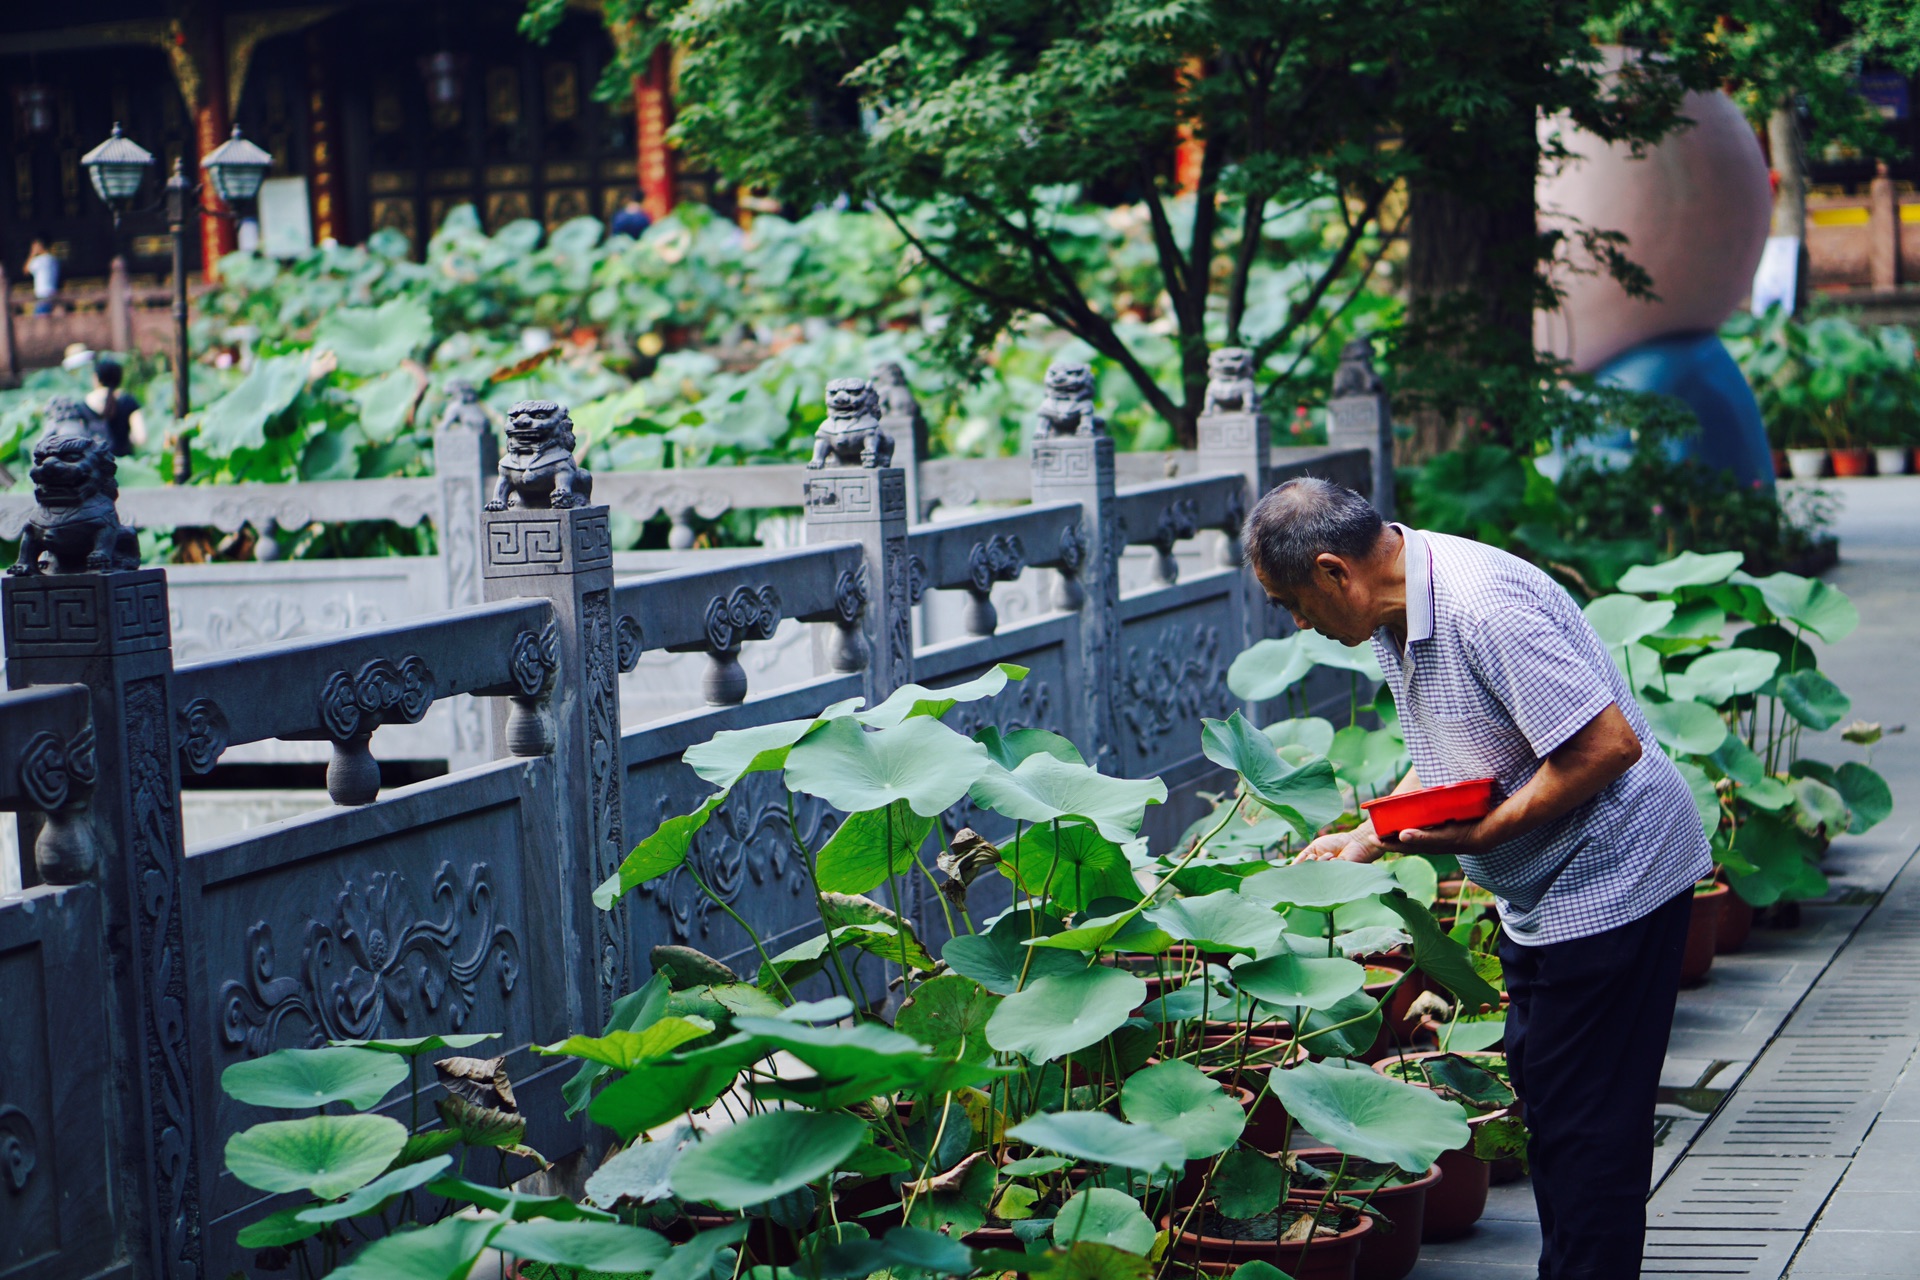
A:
1457	1203
1806	464
1890	461
1703	932
1389	1252
1853	462
1322	1258
1736	922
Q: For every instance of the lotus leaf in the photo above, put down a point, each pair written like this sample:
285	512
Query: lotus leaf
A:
326	1156
765	1156
298	1079
918	700
1043	787
1690	728
1363	1113
1097	1136
920	761
1185	1104
1055	1015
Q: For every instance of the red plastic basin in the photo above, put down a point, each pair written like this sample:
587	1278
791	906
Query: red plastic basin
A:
1457	802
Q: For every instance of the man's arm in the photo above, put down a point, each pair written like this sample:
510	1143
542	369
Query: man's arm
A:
1359	844
1573	773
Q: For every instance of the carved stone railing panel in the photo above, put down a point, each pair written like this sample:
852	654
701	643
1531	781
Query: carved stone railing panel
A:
62	1153
48	771
343	688
975	553
1176	645
746	854
716	609
430	910
229	507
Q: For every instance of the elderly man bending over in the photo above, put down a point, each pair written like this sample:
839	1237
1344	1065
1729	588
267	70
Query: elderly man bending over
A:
1592	849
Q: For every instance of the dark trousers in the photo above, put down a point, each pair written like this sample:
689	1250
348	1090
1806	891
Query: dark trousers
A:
1587	1026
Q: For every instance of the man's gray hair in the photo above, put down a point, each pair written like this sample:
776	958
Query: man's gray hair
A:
1306	518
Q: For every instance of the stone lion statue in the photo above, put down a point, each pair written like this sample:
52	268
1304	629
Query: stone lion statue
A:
851	435
464	410
74	527
1068	407
1354	375
538	470
1230	384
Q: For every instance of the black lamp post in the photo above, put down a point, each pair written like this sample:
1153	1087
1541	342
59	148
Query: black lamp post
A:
235	168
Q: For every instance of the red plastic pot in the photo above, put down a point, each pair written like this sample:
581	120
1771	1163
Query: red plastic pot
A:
1387	1253
1852	462
1703	932
1331	1258
1736	922
1429	806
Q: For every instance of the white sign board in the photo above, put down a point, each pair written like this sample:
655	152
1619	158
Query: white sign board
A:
286	228
1776	279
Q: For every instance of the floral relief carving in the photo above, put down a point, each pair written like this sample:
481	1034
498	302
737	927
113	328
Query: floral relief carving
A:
379	964
745	850
1170	683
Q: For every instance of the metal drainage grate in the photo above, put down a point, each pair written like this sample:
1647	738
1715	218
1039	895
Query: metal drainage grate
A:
1819	1066
1789	1122
1779	1193
1751	1255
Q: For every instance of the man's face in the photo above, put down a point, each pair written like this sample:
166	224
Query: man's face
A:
1332	602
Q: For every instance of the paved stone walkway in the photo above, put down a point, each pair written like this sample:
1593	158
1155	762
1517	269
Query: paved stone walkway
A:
1790	1112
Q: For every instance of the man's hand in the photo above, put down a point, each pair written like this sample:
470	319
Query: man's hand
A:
1357	845
1455	838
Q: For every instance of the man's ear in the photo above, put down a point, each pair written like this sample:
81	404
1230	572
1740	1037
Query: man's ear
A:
1334	569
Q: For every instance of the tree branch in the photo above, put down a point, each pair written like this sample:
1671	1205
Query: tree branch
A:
1298	313
1359	287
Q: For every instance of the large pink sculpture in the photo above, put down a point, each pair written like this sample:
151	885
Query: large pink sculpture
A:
1695	211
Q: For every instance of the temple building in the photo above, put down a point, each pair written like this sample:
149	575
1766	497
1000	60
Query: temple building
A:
378	113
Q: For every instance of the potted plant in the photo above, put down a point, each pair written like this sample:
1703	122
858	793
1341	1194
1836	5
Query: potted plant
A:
1703	931
1395	1199
1015	1092
1739	715
1466	1170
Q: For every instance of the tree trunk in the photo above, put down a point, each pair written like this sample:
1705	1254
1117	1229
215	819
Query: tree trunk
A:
1471	263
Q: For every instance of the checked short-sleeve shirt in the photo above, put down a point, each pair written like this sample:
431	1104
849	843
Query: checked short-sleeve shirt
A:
1500	668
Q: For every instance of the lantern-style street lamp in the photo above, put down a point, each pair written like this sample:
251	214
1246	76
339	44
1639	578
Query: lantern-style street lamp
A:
235	169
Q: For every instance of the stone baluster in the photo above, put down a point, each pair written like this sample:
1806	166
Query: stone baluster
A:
998	558
79	610
1358	417
852	494
901	418
1236	438
466	456
1073	462
542	540
749	613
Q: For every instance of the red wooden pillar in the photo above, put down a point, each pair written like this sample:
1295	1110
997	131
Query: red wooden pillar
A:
1190	152
324	185
653	115
212	127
